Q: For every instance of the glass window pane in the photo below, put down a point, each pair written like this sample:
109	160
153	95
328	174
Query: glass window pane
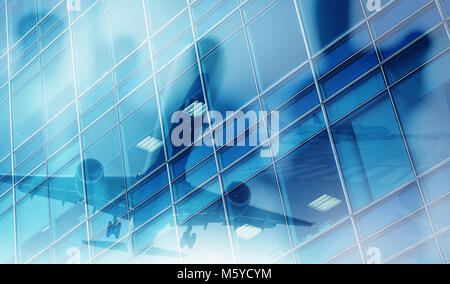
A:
163	251
353	256
127	27
103	171
372	153
258	222
153	230
73	248
427	253
322	32
388	211
229	63
92	60
33	230
328	245
423	101
200	245
67	199
439	212
279	26
5	139
436	183
313	203
160	12
7	254
396	238
444	240
142	142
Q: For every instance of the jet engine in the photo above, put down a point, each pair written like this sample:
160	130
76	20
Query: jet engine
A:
94	175
239	200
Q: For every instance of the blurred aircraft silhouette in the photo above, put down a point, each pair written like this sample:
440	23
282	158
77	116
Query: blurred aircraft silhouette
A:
91	174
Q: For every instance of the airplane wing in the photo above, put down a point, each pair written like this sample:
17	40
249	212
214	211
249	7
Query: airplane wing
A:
262	218
252	216
61	188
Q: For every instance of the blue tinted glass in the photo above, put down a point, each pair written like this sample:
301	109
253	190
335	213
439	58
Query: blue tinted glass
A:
299	132
142	142
103	172
439	212
3	43
288	88
33	231
119	253
444	240
67	208
427	253
72	249
151	207
286	43
298	106
337	53
5	140
423	50
388	211
163	251
391	16
324	247
199	242
349	71
357	94
194	178
321	33
153	230
408	31
423	109
160	12
392	240
107	217
22	17
7	237
224	131
248	167
197	201
127	28
436	183
229	63
446	6
312	203
6	202
148	187
253	237
5	177
372	153
353	256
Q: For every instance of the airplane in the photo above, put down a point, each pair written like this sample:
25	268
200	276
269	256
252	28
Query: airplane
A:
70	190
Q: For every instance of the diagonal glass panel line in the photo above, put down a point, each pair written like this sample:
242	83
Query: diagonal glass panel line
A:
356	172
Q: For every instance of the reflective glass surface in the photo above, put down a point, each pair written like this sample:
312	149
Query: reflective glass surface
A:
225	131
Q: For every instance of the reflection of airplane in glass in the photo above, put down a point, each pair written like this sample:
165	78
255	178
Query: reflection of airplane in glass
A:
71	190
246	219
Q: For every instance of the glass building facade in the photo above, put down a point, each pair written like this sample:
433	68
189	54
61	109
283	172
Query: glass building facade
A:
358	167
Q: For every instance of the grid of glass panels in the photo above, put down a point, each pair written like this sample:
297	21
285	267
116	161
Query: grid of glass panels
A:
359	170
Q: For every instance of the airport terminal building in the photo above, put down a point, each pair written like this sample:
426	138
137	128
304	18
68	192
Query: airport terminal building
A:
225	131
